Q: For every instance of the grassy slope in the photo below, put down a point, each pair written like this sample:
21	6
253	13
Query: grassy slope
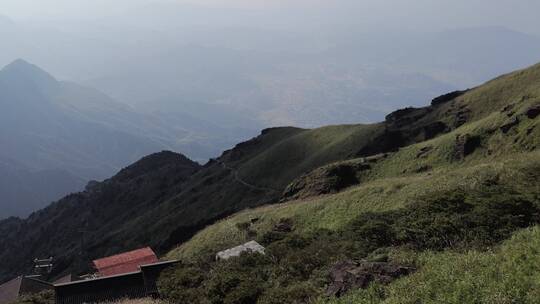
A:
176	211
510	159
288	157
270	161
335	211
514	88
509	273
390	184
306	150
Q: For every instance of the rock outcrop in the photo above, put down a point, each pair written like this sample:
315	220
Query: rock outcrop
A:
325	180
348	275
462	116
284	226
447	97
533	112
465	145
508	126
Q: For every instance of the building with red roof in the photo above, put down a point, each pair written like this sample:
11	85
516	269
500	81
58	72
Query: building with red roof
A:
110	289
125	262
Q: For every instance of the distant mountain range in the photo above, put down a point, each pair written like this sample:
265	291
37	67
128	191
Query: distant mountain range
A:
56	136
248	78
358	77
208	92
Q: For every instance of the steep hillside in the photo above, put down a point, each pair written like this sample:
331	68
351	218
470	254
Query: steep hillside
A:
97	215
423	206
257	172
463	141
252	174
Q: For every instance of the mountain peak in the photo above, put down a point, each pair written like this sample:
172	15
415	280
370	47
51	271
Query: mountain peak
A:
21	72
23	66
19	61
156	161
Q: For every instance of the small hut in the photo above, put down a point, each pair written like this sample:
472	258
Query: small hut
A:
133	285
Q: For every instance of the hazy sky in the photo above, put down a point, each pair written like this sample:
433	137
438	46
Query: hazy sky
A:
521	15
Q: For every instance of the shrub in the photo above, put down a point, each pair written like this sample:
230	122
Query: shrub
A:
271	237
296	293
508	274
295	267
448	220
238	280
183	284
244	226
44	297
464	220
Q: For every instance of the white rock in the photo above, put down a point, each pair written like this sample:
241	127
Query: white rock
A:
249	247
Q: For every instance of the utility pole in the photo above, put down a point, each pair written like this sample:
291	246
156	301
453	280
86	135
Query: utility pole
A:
83	254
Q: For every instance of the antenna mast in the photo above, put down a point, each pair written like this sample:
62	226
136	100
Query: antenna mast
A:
43	266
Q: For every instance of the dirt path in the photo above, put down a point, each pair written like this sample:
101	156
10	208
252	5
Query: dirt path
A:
243	182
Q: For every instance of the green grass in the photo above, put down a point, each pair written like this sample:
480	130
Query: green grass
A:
336	211
304	151
295	266
392	182
509	273
391	201
514	88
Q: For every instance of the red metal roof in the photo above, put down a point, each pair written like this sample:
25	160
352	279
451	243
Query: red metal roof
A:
125	262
